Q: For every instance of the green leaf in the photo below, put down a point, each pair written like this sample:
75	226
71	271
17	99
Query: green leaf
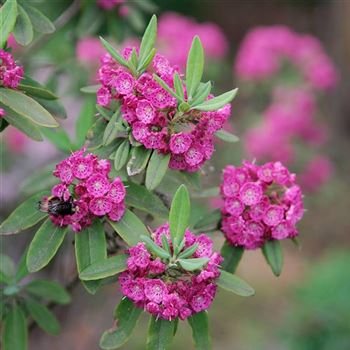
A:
22	270
160	334
126	316
189	251
179	214
165	243
193	264
56	108
232	256
27	107
8	15
114	53
207	221
24	216
144	64
23	30
90	246
34	88
95	134
7	269
39	181
202	93
179	87
156	170
148	39
234	284
166	87
153	247
15	332
216	102
130	228
49	290
91	89
39	21
84	121
194	67
22	124
104	268
121	155
200	330
45	245
273	254
43	317
139	197
138	161
226	136
113	128
59	138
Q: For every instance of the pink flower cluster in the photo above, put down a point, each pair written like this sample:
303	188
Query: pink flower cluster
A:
86	184
260	203
152	113
175	34
165	289
264	49
10	73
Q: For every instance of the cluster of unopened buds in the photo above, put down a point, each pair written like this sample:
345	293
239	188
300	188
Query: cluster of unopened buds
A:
165	286
84	193
152	112
10	73
260	203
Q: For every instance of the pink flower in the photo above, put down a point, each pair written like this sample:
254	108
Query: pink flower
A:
145	112
155	290
100	206
97	185
180	143
10	73
116	191
269	204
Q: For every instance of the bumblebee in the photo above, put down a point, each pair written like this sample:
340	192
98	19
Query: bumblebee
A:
57	206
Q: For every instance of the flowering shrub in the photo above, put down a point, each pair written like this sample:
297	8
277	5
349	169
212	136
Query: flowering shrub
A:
260	203
170	289
85	192
157	123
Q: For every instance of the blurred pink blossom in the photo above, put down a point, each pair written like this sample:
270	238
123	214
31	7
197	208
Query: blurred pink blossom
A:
175	34
318	172
15	140
109	4
89	50
264	49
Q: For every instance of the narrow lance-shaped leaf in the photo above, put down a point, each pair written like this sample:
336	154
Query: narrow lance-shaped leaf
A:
194	67
234	284
166	87
7	269
15	332
273	254
34	88
84	121
104	268
121	155
90	246
148	39
179	87
179	214
216	102
226	136
23	30
39	21
138	161
114	53
160	334
126	316
193	264
232	256
44	245
27	107
8	15
200	330
156	170
22	270
130	228
22	124
59	138
90	89
189	251
24	216
113	127
143	65
43	317
49	290
153	247
202	93
139	197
